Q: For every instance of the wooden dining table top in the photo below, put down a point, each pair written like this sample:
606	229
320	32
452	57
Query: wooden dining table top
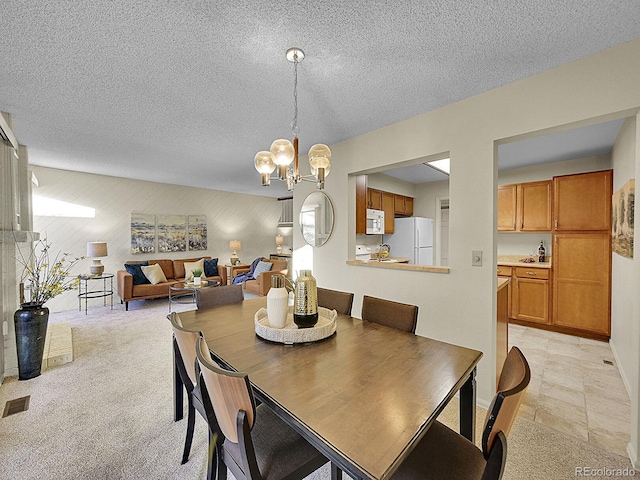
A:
364	396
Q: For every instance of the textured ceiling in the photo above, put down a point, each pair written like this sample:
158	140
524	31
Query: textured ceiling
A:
187	92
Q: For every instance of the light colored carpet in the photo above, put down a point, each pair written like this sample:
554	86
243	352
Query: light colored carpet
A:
108	414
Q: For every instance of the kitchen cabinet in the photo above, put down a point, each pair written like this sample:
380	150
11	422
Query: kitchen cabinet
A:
374	199
531	294
361	204
403	205
388	208
582	281
582	202
525	207
502	325
505	272
582	253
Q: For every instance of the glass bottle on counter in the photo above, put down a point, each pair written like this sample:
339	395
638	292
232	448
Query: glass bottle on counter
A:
541	253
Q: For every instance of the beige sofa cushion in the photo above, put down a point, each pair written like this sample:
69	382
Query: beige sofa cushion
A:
154	273
189	267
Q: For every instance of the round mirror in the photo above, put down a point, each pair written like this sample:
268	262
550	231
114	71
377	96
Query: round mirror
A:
316	219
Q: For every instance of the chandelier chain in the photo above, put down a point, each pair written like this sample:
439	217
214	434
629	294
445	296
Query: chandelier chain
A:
294	124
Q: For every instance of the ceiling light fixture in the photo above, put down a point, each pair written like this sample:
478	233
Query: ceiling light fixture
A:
442	165
283	154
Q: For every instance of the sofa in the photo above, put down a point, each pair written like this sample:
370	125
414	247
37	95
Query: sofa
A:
261	285
174	272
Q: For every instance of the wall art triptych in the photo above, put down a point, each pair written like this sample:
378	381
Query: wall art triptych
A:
167	233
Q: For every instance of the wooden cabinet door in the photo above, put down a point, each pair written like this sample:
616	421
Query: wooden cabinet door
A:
531	300
375	199
582	281
361	204
507	208
388	200
534	206
403	206
583	201
408	206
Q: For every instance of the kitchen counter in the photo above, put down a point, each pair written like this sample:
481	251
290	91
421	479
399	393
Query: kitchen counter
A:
502	283
514	261
398	265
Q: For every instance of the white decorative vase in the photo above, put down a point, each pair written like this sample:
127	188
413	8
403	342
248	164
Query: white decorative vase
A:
277	300
197	280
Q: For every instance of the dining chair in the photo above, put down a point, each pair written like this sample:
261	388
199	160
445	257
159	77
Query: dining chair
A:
341	302
184	349
443	453
392	314
222	295
257	444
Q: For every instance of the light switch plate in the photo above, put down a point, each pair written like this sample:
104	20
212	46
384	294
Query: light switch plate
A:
476	258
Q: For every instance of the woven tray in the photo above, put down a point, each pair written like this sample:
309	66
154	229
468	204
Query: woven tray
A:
290	333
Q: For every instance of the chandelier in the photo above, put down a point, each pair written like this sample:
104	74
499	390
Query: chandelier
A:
283	154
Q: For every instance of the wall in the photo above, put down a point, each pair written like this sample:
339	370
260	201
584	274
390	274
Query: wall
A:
387	183
625	332
527	243
248	218
596	88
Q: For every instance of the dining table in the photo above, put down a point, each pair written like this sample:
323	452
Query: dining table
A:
364	396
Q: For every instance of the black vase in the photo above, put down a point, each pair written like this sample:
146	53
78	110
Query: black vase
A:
31	331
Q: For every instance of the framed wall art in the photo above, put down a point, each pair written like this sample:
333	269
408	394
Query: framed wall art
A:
197	232
172	233
623	213
143	233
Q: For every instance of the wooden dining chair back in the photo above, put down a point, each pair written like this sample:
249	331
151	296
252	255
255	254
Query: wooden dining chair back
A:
341	302
256	440
184	354
392	314
502	412
443	453
222	295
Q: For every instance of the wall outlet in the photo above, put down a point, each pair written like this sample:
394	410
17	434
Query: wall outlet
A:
476	258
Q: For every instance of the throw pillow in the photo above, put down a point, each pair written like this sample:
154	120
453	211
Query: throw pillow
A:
210	267
261	267
189	267
135	269
154	273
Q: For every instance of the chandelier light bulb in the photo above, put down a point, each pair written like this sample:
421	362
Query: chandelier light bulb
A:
320	157
282	151
264	165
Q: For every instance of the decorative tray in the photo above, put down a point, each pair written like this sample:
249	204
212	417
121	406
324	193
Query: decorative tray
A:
290	333
190	284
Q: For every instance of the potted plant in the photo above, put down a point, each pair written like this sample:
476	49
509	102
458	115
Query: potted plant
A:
197	276
44	277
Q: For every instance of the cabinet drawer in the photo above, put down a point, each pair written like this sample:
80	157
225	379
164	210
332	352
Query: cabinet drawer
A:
540	273
504	271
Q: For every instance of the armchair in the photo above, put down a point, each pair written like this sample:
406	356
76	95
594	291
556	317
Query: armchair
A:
261	285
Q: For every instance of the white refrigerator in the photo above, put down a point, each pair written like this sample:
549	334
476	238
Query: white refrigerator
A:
413	238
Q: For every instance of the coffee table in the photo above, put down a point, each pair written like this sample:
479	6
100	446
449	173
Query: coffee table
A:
185	292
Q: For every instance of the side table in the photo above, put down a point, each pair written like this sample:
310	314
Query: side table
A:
85	294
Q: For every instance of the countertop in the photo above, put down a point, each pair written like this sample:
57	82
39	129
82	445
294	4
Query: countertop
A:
399	266
502	282
514	261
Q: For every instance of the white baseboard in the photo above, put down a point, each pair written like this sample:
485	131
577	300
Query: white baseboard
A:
625	380
633	456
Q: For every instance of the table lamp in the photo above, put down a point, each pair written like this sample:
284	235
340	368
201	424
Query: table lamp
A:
95	250
279	243
235	245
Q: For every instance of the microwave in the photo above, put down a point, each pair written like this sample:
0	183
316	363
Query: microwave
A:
375	222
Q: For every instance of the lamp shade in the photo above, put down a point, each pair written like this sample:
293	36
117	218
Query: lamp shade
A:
235	245
96	249
282	151
279	240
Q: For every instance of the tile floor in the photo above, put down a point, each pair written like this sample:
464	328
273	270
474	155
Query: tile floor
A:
572	390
